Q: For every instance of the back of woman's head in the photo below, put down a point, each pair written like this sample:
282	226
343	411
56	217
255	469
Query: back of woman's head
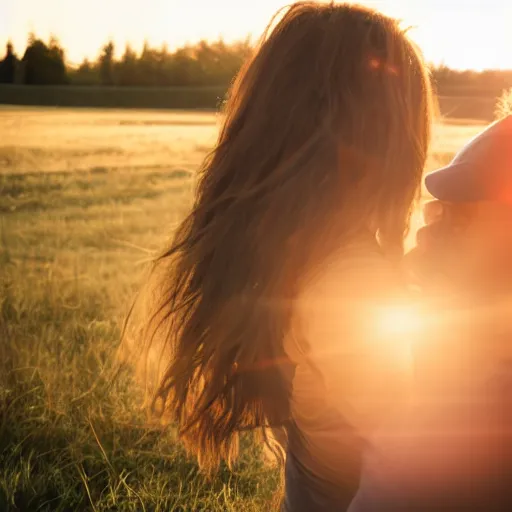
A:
325	136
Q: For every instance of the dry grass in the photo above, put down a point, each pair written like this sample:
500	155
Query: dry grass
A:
85	197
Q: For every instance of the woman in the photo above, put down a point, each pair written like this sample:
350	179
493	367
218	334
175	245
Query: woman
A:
295	237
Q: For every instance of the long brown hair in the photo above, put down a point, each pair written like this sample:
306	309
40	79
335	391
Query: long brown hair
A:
325	136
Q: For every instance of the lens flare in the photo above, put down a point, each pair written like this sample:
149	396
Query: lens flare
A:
399	320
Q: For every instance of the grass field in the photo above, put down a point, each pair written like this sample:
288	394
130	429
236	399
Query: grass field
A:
85	198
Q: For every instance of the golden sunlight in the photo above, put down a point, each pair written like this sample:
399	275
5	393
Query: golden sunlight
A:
399	320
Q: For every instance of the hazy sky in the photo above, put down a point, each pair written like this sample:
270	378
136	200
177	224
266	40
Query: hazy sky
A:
462	33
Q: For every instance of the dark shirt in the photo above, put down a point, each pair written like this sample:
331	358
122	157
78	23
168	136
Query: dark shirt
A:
308	492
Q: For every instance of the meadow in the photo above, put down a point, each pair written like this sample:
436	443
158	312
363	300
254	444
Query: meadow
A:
86	197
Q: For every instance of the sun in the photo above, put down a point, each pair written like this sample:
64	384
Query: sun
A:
399	320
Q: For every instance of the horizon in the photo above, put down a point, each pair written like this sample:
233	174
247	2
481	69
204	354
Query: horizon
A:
439	28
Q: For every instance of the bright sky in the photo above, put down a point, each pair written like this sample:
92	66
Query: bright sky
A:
463	34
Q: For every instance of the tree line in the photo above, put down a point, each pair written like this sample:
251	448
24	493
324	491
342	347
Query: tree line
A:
201	64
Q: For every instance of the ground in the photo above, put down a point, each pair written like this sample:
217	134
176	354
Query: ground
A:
86	196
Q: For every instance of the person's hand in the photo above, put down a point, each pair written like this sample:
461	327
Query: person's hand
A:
423	262
444	223
434	230
433	212
437	261
464	249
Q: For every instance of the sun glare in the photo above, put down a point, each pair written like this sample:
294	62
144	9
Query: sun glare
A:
399	320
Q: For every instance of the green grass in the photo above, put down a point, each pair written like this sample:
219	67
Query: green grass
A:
85	197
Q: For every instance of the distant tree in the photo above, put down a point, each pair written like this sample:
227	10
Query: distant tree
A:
149	67
106	64
58	62
184	67
207	58
44	64
85	74
164	71
85	67
127	70
8	66
230	59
